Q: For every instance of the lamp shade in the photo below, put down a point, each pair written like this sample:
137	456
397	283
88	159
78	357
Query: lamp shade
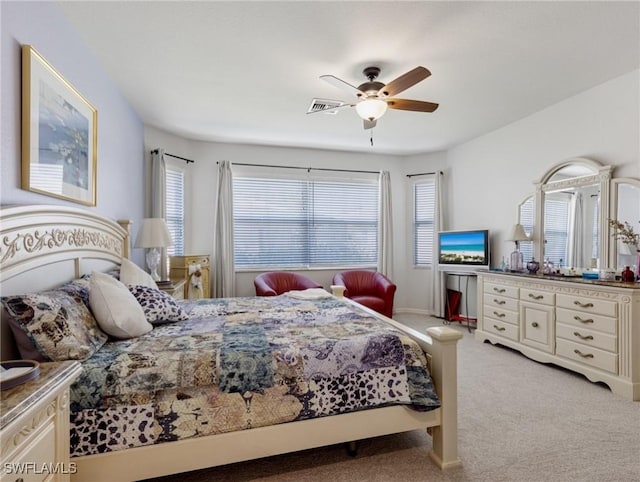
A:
153	233
371	109
518	234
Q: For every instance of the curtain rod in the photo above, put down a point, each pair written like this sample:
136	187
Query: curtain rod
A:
305	168
424	174
155	151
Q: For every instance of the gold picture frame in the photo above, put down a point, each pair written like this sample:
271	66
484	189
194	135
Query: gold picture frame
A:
59	134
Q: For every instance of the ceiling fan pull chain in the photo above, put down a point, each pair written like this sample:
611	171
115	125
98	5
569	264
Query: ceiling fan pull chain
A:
371	139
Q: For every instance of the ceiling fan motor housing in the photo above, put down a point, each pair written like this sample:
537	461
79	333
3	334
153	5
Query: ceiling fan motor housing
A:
371	87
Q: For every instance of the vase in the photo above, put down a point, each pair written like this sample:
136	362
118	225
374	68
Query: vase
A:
638	267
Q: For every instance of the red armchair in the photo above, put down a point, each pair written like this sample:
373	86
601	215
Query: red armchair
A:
369	288
278	282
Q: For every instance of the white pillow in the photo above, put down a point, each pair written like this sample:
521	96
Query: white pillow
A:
132	275
117	311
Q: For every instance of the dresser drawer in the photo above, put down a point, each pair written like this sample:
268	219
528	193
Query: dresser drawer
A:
587	337
587	320
535	296
37	452
588	305
500	314
495	289
587	355
185	261
496	301
503	329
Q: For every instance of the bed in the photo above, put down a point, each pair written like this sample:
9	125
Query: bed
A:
44	247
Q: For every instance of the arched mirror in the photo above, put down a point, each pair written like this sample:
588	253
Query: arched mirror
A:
625	207
572	202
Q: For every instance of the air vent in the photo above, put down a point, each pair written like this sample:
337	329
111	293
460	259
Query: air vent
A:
328	106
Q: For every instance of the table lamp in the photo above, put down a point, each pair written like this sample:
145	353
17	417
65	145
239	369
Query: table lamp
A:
153	234
517	235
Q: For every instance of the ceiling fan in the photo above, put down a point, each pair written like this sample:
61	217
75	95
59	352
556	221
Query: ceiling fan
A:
375	97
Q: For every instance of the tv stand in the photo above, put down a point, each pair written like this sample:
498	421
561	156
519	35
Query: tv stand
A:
460	318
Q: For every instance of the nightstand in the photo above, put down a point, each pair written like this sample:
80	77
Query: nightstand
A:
34	425
175	289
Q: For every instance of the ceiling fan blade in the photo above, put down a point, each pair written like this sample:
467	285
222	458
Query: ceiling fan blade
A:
341	84
414	105
405	81
369	124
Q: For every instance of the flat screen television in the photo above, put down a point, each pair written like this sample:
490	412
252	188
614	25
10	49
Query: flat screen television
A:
463	250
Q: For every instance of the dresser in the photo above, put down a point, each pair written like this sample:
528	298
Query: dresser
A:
589	326
34	426
182	268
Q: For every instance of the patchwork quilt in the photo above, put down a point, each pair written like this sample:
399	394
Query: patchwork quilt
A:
241	363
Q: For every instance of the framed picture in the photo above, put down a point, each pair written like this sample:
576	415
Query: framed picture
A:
59	134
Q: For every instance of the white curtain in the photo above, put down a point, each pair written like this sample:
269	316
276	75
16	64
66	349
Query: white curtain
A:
438	281
385	226
576	234
224	276
158	206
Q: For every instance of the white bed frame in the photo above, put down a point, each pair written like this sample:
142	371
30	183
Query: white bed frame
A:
43	246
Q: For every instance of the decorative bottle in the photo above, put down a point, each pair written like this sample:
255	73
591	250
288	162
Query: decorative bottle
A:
628	275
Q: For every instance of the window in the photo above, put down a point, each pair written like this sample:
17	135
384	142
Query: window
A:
424	203
174	204
294	223
556	227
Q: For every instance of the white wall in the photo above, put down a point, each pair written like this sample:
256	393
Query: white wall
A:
202	178
120	130
485	178
491	174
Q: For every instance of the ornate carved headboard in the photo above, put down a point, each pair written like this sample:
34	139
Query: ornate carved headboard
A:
43	246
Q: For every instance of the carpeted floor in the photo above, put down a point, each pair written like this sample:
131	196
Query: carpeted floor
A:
519	420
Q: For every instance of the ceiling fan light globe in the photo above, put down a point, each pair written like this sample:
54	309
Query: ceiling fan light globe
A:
371	109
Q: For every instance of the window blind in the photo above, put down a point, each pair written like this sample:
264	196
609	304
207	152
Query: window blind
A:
294	223
423	215
174	206
556	226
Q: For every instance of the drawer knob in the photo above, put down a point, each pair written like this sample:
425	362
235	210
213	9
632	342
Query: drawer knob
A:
583	355
535	324
499	328
581	336
499	302
499	290
583	320
535	297
499	315
583	305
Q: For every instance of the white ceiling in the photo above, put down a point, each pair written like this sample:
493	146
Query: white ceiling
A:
246	72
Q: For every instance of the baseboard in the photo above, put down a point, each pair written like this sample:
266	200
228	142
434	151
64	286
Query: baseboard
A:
413	311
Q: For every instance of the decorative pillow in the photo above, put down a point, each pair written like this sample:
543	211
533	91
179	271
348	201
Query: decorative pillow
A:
54	324
132	275
158	306
116	309
78	287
